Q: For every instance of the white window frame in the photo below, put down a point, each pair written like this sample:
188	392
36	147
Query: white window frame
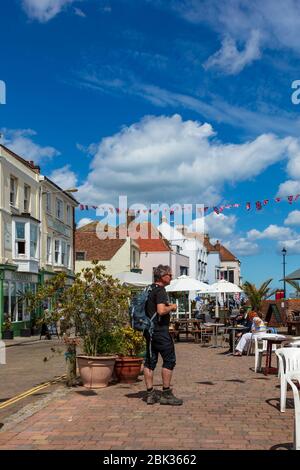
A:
13	190
17	240
59	212
63	245
27	198
49	250
48	202
68	256
69	217
58	262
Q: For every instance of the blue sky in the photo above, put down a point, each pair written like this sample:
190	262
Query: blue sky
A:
165	101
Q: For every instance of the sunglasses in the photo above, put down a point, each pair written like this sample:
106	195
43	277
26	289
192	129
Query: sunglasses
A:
169	274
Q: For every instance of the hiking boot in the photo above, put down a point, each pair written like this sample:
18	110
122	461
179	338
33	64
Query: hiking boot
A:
167	398
151	397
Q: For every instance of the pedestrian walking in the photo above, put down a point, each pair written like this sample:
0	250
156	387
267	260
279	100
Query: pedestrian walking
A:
161	341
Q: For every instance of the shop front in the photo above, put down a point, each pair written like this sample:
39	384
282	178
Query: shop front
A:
13	306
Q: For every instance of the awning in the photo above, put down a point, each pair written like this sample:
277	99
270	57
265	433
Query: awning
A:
294	276
133	279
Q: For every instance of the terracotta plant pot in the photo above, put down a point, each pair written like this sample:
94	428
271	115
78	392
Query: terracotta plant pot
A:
96	372
127	369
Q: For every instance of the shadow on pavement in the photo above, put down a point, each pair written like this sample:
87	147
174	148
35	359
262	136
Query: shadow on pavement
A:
284	446
86	393
276	405
235	380
205	383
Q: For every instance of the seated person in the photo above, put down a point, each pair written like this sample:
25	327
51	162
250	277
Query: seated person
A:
245	320
258	328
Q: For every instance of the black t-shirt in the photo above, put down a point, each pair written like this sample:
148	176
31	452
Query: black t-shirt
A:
158	295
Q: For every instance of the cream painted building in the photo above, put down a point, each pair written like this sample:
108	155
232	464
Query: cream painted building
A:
34	242
117	255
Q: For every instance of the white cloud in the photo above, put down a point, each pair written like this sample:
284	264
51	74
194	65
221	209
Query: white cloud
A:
84	221
289	188
64	177
278	22
20	141
219	226
241	246
293	218
217	109
230	59
292	246
273	232
170	160
44	10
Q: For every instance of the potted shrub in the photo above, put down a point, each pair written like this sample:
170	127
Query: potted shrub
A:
7	332
130	354
92	309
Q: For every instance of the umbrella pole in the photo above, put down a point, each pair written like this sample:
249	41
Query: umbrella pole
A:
217	307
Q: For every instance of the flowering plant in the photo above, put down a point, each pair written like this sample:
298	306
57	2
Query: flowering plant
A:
130	341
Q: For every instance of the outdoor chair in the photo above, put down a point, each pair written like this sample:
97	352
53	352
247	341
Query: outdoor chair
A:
291	342
289	378
289	362
260	347
206	333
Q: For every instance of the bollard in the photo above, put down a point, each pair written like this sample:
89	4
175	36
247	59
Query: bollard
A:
2	353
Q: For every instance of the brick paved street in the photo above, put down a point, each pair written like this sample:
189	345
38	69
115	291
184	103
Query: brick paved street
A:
25	368
226	406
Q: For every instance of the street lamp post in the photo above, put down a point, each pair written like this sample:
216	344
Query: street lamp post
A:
283	251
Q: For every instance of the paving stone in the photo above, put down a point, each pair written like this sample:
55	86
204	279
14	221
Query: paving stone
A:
226	406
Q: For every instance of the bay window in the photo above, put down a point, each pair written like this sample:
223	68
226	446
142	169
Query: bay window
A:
33	240
25	236
20	239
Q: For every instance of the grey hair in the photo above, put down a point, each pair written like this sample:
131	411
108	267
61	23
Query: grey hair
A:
160	271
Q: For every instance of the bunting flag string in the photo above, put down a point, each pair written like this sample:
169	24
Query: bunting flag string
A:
217	209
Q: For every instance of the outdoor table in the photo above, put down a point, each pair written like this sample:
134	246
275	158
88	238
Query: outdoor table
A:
271	339
215	327
234	329
185	324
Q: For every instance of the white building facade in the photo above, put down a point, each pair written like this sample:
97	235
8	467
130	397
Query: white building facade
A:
26	238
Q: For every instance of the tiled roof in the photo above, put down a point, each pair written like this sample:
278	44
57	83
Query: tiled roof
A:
226	255
154	241
96	249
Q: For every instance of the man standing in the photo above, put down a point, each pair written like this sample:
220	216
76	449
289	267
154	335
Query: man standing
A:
161	341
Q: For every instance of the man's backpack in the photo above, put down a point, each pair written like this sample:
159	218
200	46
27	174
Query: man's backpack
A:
137	310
